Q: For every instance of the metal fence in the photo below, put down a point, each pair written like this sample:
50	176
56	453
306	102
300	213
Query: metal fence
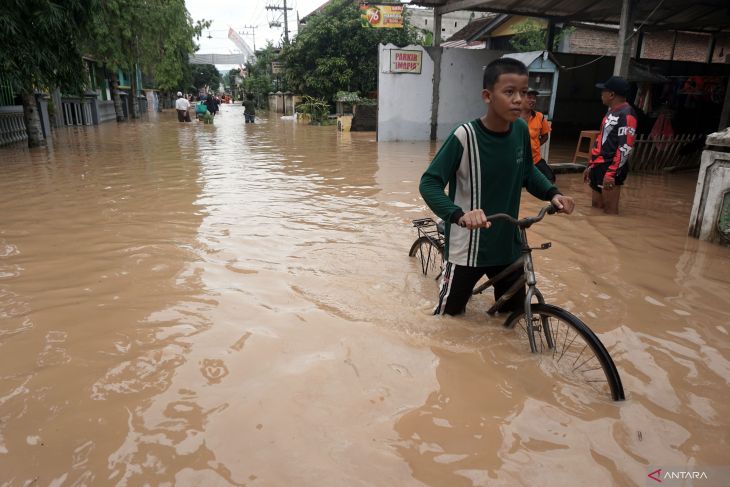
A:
12	125
76	111
7	93
653	154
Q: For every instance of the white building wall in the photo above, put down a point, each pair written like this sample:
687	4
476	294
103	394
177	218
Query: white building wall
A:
451	23
460	100
404	100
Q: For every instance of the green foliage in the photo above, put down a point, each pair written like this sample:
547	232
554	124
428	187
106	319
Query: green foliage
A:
229	78
354	98
156	35
316	108
531	36
259	80
206	75
427	39
41	42
333	52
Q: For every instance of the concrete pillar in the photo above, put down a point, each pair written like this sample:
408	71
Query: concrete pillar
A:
57	108
437	53
436	28
628	14
42	103
710	217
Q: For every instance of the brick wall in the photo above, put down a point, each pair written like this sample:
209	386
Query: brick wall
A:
690	46
593	41
656	45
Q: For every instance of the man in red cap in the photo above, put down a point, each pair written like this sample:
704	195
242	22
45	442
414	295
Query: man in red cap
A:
609	164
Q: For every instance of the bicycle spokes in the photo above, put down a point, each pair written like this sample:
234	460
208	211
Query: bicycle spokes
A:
566	347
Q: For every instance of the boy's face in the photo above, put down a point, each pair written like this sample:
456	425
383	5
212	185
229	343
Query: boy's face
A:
505	98
530	101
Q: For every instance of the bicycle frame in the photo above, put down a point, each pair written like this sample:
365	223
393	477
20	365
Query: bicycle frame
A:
528	278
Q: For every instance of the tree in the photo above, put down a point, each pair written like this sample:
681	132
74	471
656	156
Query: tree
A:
335	53
229	78
41	42
531	36
155	36
259	80
206	75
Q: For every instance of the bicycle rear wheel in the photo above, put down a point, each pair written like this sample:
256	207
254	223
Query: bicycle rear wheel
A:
567	346
430	256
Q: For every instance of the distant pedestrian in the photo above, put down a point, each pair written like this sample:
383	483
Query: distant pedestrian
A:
249	107
182	105
609	164
212	104
539	132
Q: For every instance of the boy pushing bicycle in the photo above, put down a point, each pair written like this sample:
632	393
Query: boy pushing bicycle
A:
486	163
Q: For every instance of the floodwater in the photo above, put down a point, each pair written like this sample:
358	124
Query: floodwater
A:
183	304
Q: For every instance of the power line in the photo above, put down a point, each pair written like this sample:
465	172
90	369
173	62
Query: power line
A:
277	23
252	28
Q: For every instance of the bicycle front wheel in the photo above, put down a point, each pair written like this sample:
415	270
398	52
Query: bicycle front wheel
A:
568	347
430	256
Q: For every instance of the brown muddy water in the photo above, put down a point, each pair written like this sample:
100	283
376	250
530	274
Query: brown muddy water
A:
233	304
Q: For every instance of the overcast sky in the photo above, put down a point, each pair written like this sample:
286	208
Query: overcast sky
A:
240	13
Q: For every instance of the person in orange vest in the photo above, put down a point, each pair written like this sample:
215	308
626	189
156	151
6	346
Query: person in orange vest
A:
539	129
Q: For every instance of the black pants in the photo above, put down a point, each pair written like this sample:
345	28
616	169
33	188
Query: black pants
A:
249	117
458	282
545	170
598	172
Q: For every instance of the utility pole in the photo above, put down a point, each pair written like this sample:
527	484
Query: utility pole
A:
285	9
252	28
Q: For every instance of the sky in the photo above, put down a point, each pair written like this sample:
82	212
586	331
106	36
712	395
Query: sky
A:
241	13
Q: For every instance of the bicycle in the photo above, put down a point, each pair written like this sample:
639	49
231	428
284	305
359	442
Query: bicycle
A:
429	246
569	346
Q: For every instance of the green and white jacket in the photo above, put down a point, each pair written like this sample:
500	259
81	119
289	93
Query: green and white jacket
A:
487	170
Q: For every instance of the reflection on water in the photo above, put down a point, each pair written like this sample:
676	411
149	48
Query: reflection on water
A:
233	304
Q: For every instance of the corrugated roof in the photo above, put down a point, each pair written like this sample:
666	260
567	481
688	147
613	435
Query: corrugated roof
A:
470	29
696	15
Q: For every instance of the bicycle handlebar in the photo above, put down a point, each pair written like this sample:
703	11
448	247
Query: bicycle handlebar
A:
525	222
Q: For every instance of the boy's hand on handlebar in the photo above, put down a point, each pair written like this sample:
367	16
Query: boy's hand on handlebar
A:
474	219
564	204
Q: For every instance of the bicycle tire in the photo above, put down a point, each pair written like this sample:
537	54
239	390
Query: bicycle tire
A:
430	255
563	335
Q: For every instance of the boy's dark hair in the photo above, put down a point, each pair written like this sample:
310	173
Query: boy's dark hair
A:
498	67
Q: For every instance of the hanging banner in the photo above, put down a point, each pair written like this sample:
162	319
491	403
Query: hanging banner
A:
240	43
381	16
404	61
